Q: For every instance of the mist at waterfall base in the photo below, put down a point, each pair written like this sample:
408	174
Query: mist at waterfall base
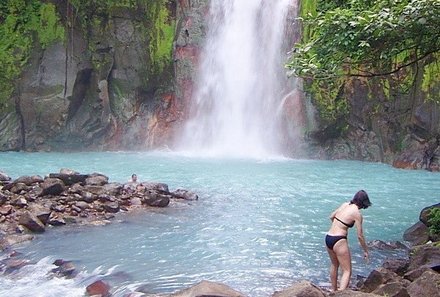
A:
258	226
238	105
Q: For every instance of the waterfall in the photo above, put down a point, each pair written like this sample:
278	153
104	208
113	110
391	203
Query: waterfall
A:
241	81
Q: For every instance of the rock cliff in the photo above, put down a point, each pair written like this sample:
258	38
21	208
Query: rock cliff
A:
124	77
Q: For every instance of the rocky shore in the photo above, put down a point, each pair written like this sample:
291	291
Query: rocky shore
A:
30	204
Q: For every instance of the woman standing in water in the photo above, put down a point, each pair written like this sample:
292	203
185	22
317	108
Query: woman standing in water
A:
343	218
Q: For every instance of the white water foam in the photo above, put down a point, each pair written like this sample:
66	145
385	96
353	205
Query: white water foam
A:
241	83
35	280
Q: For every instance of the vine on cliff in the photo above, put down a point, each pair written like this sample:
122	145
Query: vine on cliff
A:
22	24
346	39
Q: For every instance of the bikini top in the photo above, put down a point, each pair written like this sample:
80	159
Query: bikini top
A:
348	225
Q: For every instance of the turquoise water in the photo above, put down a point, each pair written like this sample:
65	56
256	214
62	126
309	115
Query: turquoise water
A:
258	225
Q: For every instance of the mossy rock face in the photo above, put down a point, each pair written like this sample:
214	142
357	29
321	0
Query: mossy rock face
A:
10	138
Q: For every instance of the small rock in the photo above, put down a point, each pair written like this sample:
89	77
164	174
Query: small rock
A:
99	288
185	194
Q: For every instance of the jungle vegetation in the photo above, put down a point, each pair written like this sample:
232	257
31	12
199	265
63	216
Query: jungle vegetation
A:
346	39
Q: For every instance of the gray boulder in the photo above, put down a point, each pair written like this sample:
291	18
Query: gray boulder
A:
31	222
428	284
417	234
207	288
301	289
185	194
4	177
52	186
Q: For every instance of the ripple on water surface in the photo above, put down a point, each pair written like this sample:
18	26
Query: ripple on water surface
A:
258	226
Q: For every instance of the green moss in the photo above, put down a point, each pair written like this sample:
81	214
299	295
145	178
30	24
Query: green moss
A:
23	26
161	35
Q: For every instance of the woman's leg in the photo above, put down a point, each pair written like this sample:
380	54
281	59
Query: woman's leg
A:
333	269
344	258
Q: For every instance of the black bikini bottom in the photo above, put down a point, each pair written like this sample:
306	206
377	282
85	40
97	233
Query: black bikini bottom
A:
331	240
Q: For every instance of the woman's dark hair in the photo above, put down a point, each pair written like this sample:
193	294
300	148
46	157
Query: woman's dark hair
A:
361	199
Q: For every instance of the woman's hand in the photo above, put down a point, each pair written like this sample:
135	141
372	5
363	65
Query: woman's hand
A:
366	257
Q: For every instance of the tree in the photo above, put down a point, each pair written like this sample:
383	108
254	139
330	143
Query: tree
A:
367	38
346	39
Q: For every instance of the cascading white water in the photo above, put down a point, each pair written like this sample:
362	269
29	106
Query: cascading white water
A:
241	81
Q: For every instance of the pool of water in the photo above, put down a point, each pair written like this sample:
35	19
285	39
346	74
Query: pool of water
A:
258	225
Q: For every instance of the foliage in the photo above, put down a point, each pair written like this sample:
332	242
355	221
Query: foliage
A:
358	38
157	25
368	38
434	221
22	24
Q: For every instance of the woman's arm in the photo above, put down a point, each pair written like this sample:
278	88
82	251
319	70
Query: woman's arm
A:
360	235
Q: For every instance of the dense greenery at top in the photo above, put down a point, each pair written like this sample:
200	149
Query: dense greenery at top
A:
358	38
22	24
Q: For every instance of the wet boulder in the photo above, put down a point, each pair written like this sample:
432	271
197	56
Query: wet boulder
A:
96	179
18	188
27	180
41	212
4	177
428	284
377	278
424	255
10	265
185	194
398	266
64	268
70	179
156	186
31	222
112	207
155	199
112	189
52	186
56	220
301	289
98	288
417	234
207	288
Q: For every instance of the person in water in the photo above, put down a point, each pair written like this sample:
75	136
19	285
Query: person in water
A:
343	218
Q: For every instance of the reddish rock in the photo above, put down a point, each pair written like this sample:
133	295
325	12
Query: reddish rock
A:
98	288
